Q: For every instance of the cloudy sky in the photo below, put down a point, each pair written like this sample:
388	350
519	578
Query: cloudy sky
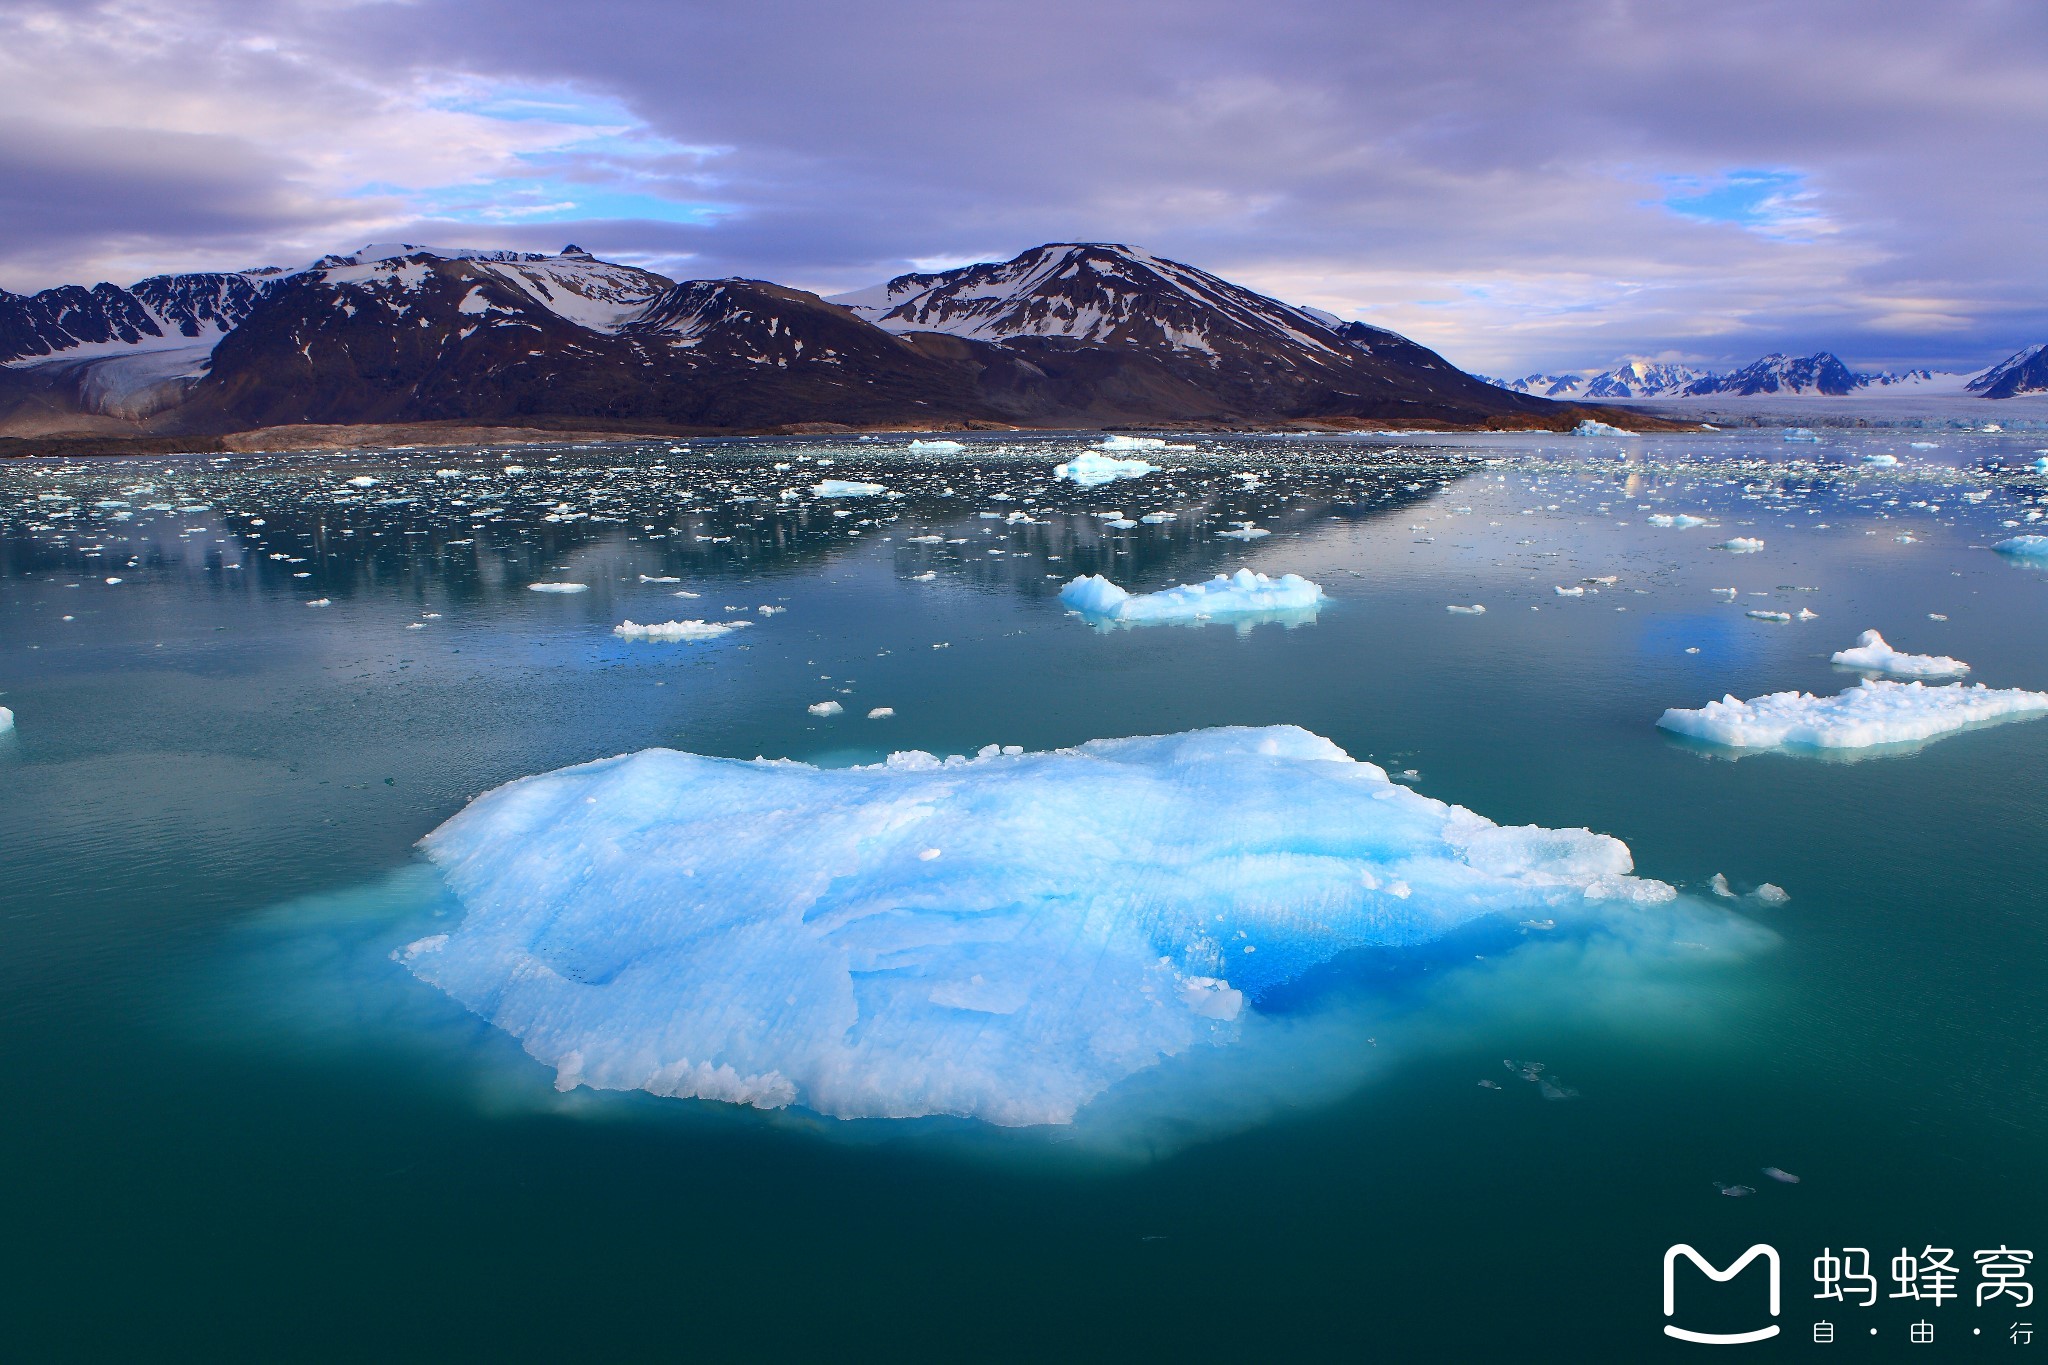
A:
1547	184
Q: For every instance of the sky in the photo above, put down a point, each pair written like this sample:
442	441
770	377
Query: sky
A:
1547	185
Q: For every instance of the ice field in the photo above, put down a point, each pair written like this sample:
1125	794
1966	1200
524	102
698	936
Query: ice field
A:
691	858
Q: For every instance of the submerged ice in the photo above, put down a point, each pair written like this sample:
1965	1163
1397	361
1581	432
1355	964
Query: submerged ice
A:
1004	937
1243	593
1870	714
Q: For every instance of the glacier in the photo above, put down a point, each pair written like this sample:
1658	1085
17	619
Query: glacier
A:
1243	593
1004	937
1871	714
1872	652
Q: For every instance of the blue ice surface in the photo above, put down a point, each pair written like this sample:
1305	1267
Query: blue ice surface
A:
1004	937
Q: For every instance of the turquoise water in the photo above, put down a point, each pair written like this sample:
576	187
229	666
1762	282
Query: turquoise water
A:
241	1131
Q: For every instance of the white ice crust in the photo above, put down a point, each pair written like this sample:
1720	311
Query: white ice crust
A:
1870	714
1003	937
1873	653
679	630
1240	594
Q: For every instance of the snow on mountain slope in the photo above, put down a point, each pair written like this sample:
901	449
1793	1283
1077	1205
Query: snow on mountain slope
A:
2021	373
1095	292
163	312
573	284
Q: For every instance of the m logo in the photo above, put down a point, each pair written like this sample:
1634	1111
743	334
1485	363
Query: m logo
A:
1770	1257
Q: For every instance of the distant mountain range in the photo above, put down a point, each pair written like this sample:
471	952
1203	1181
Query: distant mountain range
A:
1820	375
1064	335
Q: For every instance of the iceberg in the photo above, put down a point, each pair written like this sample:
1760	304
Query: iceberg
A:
1869	714
1873	653
1589	427
678	630
1243	593
1004	937
938	447
846	488
2029	547
1680	520
558	587
1801	434
1091	470
1741	545
1120	442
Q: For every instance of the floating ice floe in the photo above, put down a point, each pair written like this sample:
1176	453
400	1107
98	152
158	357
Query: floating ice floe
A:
2040	466
659	578
1243	593
1871	652
1589	427
825	708
938	447
1741	545
1244	530
1091	470
6	720
1765	614
770	933
678	630
1474	610
1782	1177
1881	461
2029	547
881	713
1574	591
1121	442
1869	714
558	587
321	602
847	488
1679	520
1800	434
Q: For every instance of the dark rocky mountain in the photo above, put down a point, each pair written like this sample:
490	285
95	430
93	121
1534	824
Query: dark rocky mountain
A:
1064	335
2023	372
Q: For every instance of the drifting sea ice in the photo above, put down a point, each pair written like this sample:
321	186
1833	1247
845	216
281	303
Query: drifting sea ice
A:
1679	520
1243	593
938	447
1873	653
1120	442
1741	545
678	630
558	587
1004	937
847	488
2031	547
1589	427
1869	714
6	720
1091	470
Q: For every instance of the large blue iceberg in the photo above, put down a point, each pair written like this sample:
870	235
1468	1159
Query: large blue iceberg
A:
1004	937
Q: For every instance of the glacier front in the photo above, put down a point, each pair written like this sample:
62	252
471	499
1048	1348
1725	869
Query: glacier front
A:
1004	937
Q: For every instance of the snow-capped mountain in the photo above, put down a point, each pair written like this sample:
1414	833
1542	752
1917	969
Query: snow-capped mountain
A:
1065	334
162	312
2022	372
1630	379
1820	373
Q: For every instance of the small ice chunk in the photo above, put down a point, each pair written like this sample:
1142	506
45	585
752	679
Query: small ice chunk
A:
1800	434
1719	886
1783	1177
847	488
321	602
1573	591
1476	609
1245	530
1091	470
558	587
1872	653
881	713
678	630
6	720
825	708
1239	594
1741	545
1869	714
1734	1191
362	481
941	447
659	578
1881	461
1771	895
1762	614
1117	441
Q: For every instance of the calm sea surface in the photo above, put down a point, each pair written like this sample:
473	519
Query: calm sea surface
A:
237	1130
